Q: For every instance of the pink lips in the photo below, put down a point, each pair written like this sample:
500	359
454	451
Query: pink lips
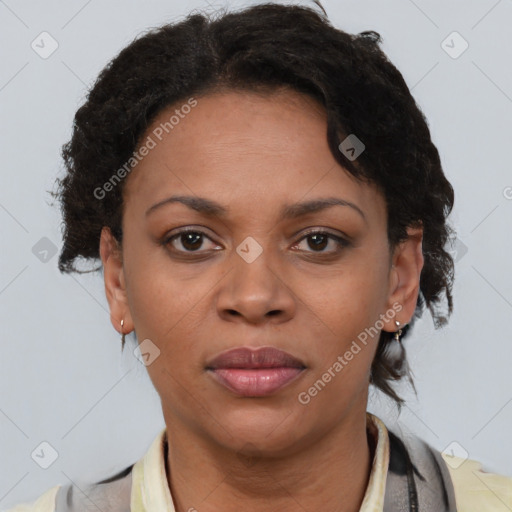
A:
250	372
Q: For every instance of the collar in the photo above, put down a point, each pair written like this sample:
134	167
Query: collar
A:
151	493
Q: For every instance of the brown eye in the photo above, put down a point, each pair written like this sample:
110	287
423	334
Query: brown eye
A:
318	241
191	241
188	241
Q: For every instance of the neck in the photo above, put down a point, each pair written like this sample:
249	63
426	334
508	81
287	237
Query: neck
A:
331	472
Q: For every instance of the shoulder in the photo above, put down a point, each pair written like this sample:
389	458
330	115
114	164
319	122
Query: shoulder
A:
112	494
45	503
477	490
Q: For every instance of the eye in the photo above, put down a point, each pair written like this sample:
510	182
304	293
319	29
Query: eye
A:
319	240
191	241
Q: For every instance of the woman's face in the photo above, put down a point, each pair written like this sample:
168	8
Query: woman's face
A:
252	273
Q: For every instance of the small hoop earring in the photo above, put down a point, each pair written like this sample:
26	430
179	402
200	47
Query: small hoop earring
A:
398	333
122	334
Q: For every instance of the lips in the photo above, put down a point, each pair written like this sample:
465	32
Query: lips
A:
264	357
255	372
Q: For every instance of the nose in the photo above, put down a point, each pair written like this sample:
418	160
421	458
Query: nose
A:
255	291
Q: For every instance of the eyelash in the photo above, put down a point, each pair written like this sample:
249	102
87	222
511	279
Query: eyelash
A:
341	242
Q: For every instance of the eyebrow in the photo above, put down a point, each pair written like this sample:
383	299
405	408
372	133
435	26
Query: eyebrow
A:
292	211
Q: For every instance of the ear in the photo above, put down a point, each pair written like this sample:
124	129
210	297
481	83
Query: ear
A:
115	285
404	279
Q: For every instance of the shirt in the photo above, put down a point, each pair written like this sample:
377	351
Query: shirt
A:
475	490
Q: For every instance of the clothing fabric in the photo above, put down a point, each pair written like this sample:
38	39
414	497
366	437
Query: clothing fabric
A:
406	474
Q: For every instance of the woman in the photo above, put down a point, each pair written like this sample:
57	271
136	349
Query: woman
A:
270	214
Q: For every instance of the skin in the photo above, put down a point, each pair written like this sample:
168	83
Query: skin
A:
254	154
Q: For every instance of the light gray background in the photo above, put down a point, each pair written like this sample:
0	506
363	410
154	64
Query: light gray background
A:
63	379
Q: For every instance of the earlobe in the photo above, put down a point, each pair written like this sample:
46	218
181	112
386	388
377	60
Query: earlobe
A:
115	286
405	275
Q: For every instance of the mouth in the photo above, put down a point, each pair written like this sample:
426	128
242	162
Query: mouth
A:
255	373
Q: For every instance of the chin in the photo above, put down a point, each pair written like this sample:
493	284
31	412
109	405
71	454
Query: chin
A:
259	432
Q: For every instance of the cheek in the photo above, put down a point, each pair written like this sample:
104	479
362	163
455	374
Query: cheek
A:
169	315
344	349
159	295
170	310
355	300
349	309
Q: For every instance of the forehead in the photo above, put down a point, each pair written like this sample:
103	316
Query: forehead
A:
245	149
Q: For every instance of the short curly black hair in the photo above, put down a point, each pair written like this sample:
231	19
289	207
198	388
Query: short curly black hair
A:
268	47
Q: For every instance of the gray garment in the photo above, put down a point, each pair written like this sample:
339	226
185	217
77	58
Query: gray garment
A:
418	480
110	495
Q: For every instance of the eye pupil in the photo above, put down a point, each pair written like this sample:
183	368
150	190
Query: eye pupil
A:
319	241
190	240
